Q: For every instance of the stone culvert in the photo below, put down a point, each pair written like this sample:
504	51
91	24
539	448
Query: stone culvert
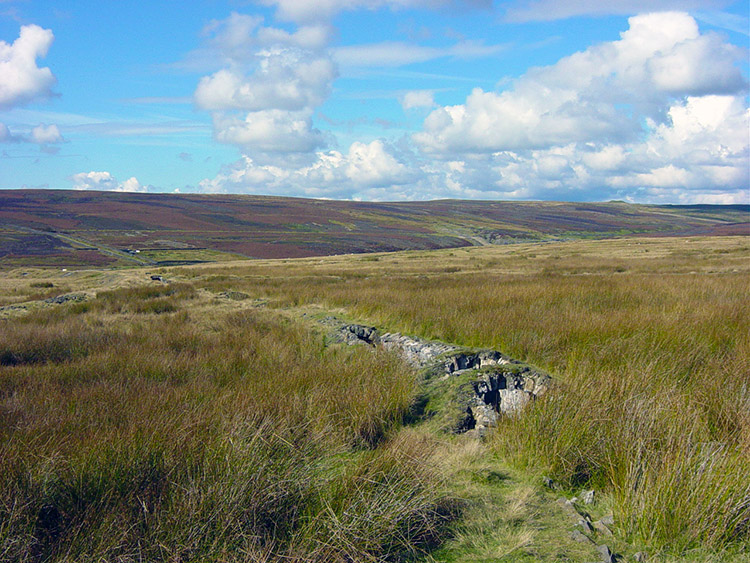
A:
499	385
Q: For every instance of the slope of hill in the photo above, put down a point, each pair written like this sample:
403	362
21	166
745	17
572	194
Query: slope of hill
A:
54	227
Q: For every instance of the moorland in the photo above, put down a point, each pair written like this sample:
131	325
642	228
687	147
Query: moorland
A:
209	415
64	227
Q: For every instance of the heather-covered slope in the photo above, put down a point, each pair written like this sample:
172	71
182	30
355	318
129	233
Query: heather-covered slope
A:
55	227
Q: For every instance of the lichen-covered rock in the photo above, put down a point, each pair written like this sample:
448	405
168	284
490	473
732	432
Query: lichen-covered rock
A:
60	299
417	352
503	386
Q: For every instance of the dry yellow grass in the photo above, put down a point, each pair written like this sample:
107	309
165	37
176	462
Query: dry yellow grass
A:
648	338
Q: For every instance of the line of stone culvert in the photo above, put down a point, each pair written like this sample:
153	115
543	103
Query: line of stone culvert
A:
500	386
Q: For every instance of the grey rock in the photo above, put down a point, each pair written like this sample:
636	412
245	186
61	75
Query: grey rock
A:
583	523
352	334
577	535
602	528
608	520
640	556
60	299
587	497
497	391
606	554
367	334
234	295
417	352
569	508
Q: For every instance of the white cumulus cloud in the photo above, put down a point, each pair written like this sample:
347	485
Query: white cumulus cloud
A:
21	80
599	94
285	78
46	134
269	131
333	174
658	115
42	134
418	99
104	181
263	98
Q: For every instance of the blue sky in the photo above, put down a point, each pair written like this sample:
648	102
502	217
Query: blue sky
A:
644	101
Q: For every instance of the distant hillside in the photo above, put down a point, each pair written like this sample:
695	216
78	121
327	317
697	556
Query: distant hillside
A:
51	227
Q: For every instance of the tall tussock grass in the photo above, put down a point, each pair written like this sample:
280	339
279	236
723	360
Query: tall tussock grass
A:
651	360
241	438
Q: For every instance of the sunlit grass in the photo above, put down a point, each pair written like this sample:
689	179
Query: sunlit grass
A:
165	437
165	423
648	340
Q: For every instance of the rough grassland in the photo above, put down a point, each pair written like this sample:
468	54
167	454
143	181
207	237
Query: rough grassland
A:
146	424
198	425
649	339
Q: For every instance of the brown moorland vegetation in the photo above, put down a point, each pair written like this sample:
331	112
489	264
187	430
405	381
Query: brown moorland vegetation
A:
105	228
650	340
167	422
141	425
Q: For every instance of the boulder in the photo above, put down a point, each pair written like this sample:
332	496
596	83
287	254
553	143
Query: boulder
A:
587	497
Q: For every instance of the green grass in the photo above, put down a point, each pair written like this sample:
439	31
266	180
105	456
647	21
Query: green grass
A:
166	422
232	436
650	344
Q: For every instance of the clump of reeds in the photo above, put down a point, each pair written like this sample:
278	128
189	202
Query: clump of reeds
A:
241	439
651	356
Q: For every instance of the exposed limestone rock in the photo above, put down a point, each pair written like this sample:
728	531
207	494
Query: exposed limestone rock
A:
602	528
419	353
577	535
503	386
606	554
233	295
352	333
58	300
569	509
368	334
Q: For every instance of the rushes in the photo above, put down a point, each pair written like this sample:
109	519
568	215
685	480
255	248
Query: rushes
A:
651	352
176	435
239	439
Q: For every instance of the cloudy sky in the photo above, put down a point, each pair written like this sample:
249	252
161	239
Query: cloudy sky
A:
638	100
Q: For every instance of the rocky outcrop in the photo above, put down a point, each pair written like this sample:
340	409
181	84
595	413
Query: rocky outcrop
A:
499	392
500	385
416	351
68	297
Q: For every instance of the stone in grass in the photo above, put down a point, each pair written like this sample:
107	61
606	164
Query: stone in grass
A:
640	556
550	483
587	497
583	523
608	521
602	528
234	295
577	535
606	554
60	299
569	508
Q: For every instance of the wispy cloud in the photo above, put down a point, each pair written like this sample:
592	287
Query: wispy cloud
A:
725	20
550	10
166	100
397	53
139	128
